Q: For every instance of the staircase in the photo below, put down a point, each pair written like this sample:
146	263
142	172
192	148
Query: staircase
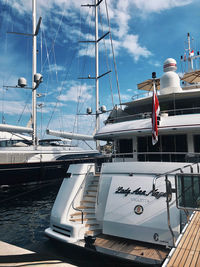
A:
85	213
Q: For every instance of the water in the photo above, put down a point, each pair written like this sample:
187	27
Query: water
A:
25	214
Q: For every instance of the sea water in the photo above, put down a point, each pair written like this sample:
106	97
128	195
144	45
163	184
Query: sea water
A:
25	214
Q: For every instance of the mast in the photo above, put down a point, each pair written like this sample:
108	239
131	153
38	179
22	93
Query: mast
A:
97	70
34	64
96	4
190	60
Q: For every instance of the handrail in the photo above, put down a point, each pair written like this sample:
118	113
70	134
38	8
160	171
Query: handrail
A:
147	156
167	192
81	186
174	170
157	153
168	212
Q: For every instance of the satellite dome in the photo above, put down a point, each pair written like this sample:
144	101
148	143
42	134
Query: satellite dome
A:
170	65
22	82
170	81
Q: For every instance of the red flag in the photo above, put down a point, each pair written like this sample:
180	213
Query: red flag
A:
192	53
155	113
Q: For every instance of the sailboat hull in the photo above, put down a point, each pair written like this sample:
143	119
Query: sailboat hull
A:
17	173
30	172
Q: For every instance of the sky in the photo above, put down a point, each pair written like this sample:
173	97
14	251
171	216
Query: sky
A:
144	34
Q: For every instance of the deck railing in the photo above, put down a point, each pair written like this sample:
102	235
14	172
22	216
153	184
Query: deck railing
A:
158	156
170	190
144	115
82	186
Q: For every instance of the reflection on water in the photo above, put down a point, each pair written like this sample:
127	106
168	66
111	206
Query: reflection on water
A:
25	212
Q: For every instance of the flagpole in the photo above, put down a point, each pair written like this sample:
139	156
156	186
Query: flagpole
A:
155	111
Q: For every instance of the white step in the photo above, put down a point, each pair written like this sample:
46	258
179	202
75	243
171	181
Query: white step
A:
85	215
93	232
92	187
86	208
93	226
89	221
94	182
88	203
91	192
89	198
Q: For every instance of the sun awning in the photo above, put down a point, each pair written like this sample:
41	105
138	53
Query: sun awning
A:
192	77
148	85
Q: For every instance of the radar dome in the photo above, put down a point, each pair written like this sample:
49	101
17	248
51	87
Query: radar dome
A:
170	81
22	82
169	65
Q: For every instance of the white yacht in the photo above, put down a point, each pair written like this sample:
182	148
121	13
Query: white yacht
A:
129	208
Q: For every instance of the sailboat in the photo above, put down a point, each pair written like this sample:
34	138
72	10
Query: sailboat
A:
25	161
129	209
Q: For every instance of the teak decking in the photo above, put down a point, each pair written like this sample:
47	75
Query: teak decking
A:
130	249
187	252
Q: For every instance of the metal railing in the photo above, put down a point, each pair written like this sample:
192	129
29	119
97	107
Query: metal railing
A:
170	190
80	188
158	156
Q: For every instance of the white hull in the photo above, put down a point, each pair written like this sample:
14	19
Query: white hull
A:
124	206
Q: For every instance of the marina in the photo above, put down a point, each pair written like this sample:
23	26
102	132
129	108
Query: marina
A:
132	201
135	206
14	256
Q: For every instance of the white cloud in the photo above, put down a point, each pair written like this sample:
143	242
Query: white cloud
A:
158	5
124	97
56	68
155	63
120	13
15	107
132	45
77	93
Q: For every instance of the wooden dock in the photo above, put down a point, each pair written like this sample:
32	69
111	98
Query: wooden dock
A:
187	251
11	255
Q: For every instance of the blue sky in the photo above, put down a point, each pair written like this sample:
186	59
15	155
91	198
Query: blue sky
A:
144	32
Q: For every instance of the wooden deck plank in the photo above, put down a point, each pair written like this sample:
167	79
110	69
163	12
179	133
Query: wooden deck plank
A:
186	237
198	261
196	241
194	260
131	247
189	258
181	259
188	249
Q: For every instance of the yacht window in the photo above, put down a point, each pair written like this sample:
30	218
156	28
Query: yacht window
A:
197	143
125	146
177	104
164	150
3	144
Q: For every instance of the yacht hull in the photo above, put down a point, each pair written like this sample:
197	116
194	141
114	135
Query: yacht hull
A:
34	172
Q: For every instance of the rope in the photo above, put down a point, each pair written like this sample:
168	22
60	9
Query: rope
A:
113	52
106	55
56	104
